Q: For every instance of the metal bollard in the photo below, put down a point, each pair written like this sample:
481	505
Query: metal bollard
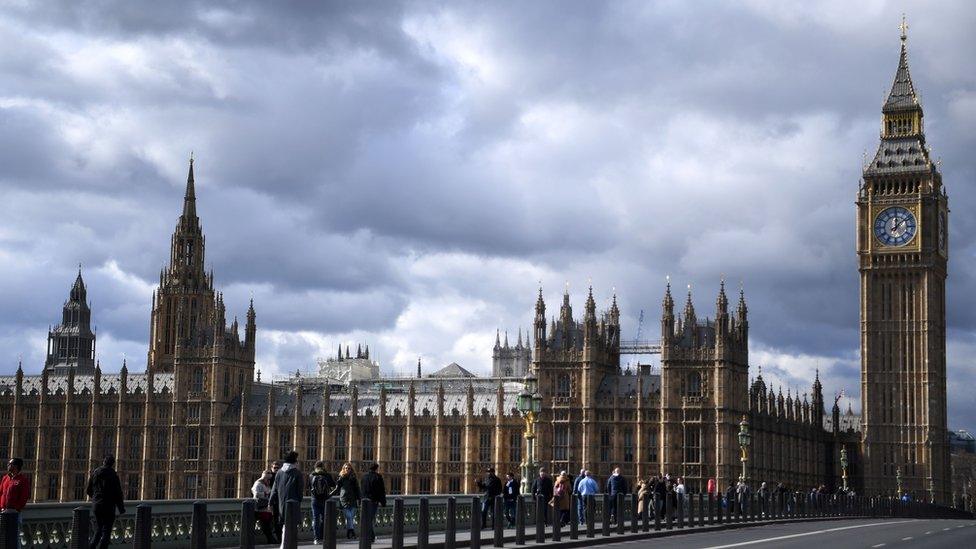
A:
80	528
247	525
289	533
475	523
423	523
701	509
198	526
329	526
450	531
605	524
557	522
680	499
397	541
711	508
590	515
366	510
668	511
656	509
691	509
540	520
520	520
498	521
645	507
574	516
634	515
618	515
142	537
9	531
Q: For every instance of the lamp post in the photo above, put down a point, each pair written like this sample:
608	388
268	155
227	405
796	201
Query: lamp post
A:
843	465
745	438
898	480
529	404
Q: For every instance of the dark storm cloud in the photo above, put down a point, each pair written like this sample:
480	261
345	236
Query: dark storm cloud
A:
408	172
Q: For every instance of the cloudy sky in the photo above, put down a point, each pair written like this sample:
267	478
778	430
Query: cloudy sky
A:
405	175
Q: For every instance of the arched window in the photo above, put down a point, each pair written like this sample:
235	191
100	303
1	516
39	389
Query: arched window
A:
693	385
196	382
563	386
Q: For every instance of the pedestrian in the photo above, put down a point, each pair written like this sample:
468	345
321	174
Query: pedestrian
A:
273	500
616	484
661	489
15	491
679	492
542	487
587	487
373	489
491	486
289	484
743	493
347	488
510	495
730	499
643	493
763	494
320	486
261	491
561	496
105	491
577	480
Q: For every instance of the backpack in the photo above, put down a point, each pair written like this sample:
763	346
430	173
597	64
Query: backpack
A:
321	486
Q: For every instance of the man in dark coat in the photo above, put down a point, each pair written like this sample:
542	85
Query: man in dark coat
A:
543	486
510	494
491	485
289	483
273	498
616	484
373	489
105	491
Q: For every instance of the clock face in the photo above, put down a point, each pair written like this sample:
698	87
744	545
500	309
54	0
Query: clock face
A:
895	226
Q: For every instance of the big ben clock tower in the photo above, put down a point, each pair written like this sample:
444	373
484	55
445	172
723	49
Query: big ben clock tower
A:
902	248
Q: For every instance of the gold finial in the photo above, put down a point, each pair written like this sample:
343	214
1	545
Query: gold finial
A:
903	28
191	157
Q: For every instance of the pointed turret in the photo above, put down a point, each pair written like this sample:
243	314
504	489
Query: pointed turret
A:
902	96
250	332
519	344
498	339
190	196
667	314
506	339
540	320
690	319
71	344
419	373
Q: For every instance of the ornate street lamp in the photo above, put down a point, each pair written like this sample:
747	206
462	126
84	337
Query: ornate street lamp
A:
898	480
843	465
745	438
529	404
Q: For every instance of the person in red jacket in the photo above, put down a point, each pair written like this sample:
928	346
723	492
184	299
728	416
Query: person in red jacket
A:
14	490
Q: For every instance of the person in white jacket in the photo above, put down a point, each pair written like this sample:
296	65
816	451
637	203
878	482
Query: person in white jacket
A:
262	510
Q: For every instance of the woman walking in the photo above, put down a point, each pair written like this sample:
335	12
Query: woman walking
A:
561	496
347	488
262	497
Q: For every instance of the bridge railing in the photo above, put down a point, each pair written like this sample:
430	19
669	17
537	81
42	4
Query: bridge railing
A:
231	522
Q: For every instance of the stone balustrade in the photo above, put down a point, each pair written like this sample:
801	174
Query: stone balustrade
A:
165	524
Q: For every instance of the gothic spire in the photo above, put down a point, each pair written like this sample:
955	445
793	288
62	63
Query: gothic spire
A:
78	292
590	314
902	96
689	314
190	197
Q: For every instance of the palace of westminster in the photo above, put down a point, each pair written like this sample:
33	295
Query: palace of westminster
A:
198	423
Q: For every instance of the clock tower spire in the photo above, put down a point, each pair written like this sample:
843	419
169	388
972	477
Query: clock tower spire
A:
902	248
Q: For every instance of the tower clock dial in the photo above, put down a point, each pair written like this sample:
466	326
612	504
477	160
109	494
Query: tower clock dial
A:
895	226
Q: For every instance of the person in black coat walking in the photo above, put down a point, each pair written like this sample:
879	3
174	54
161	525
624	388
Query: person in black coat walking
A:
543	486
510	494
491	485
105	491
373	489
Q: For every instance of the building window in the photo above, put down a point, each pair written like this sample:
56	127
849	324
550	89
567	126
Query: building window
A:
396	485
53	447
340	451
651	446
563	385
193	444
628	446
312	443
159	490
606	442
284	443
226	383
5	413
30	413
52	487
4	443
515	446
191	482
230	487
83	412
560	443
369	441
135	414
257	443
28	441
424	485
692	445
58	414
107	443
196	381
454	447
108	413
230	446
454	485
161	450
426	445
132	488
135	446
484	446
693	385
79	484
396	446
